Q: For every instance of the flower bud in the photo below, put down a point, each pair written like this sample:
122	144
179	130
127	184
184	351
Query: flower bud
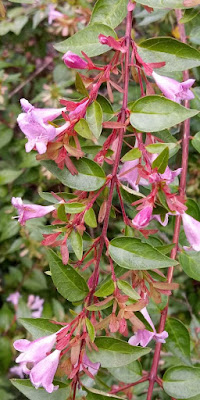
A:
72	60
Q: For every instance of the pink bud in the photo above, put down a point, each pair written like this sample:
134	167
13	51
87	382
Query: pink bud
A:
72	60
143	218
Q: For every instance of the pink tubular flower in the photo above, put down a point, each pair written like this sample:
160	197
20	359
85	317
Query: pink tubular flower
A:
14	298
129	173
35	351
53	14
33	122
143	336
192	230
29	211
72	60
35	304
111	42
143	218
42	374
17	370
173	89
92	367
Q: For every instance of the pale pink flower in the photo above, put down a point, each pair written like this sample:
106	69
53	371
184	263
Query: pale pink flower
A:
35	304
42	374
143	336
17	370
92	367
33	352
129	173
173	89
14	298
143	217
34	124
72	60
29	211
53	14
192	230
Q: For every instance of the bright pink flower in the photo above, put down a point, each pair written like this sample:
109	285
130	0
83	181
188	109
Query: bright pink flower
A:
53	14
42	374
143	336
35	304
29	211
143	217
14	298
35	351
111	42
92	367
79	111
192	230
173	89
34	124
72	60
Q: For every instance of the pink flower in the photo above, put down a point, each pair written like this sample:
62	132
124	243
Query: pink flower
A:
173	89
79	111
92	367
17	370
29	211
14	298
192	230
42	374
143	336
34	124
111	42
71	60
129	173
170	175
35	351
35	304
143	218
53	14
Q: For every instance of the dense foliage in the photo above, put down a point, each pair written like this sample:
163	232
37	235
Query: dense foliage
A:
100	146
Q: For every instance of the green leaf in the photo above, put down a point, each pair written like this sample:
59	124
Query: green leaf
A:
161	161
8	176
105	104
178	341
61	212
100	307
90	175
83	129
196	142
129	373
94	117
5	354
155	113
94	394
36	281
90	218
39	327
190	261
133	154
165	249
66	279
128	290
109	12
189	15
6	135
115	353
131	253
80	87
90	329
73	208
162	3
76	243
157	148
193	209
182	382
87	40
25	387
105	289
177	55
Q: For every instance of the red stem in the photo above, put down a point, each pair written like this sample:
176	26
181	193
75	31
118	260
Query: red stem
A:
144	379
182	190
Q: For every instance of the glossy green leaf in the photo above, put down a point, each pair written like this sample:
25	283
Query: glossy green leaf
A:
189	15
90	218
90	175
94	117
155	113
80	87
105	289
109	12
128	290
196	141
61	212
100	307
131	253
25	387
129	373
193	209
94	394
90	329
39	327
83	129
74	208
190	261
66	279
161	161
87	40
133	154
177	55
178	341
162	3
182	382
115	353
157	148
76	243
